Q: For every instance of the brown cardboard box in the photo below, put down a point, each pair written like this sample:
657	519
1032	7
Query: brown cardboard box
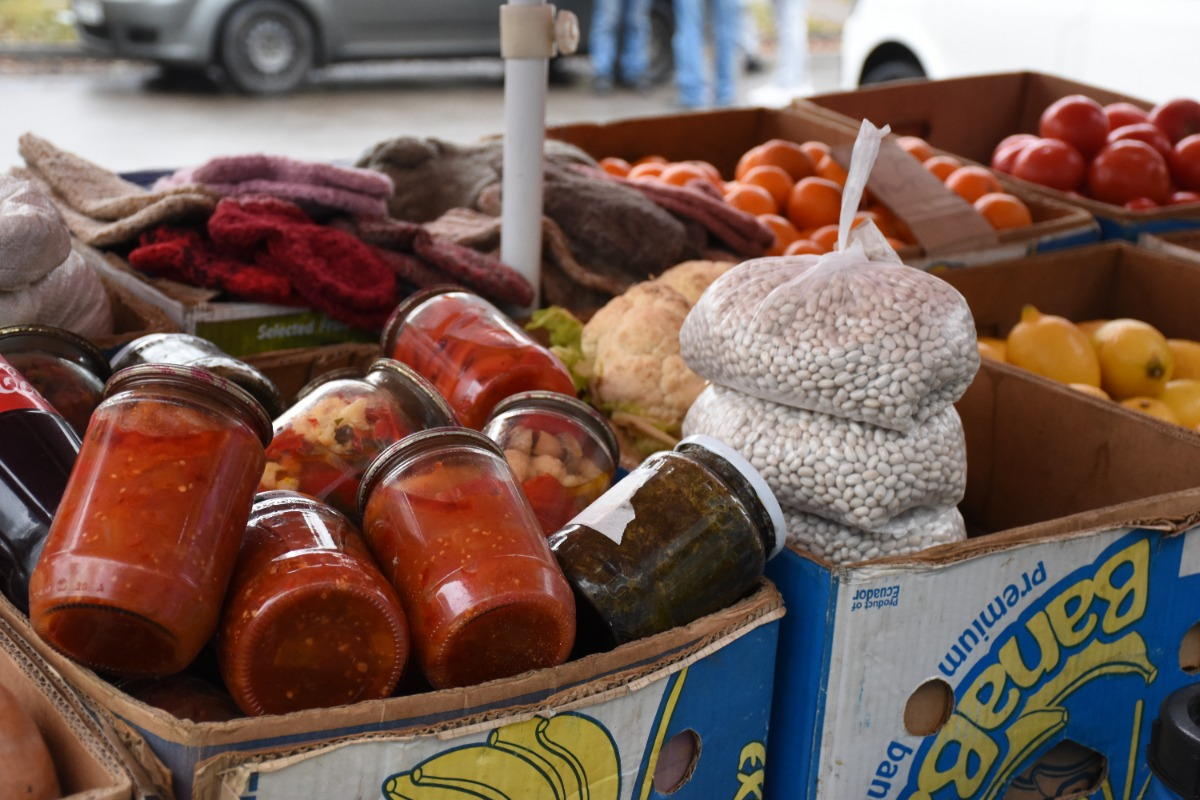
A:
86	758
951	233
969	116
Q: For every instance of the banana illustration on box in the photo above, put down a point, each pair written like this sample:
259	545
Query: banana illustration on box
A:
566	757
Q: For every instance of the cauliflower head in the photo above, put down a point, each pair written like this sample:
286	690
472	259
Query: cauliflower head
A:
691	278
631	347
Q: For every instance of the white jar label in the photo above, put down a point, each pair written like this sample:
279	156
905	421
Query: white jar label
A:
613	511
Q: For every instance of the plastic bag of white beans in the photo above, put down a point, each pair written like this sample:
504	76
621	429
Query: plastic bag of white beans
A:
910	532
853	473
853	333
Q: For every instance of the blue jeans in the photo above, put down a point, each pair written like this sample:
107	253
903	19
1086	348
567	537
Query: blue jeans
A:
609	19
688	43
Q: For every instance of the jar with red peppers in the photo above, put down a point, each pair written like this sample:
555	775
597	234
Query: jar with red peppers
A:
309	620
563	452
685	534
323	444
446	520
470	350
140	553
66	369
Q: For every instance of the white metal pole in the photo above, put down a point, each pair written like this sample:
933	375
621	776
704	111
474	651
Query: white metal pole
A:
525	80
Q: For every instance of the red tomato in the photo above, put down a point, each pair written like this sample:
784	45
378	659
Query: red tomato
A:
1077	120
1147	132
1051	162
1007	150
1126	169
1178	118
1122	113
1183	197
1140	204
1185	162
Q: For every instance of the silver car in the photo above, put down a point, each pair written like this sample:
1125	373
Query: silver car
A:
270	46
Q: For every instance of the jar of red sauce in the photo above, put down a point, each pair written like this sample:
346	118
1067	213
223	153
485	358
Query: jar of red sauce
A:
470	350
446	520
141	550
323	444
563	452
309	620
685	534
68	370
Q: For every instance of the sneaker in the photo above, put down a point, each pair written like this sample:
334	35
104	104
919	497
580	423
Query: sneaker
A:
641	84
602	85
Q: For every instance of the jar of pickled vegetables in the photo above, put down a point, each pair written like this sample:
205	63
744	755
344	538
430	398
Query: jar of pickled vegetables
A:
563	452
196	351
323	444
446	520
470	350
66	369
140	553
309	620
686	533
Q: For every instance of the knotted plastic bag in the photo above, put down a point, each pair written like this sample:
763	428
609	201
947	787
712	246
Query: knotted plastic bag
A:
852	333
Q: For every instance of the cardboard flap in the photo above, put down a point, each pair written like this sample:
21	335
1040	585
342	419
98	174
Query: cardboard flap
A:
940	220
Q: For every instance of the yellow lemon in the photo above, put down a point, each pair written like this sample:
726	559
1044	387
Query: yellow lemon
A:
1183	396
1135	360
1052	346
992	347
1152	406
1087	388
1187	358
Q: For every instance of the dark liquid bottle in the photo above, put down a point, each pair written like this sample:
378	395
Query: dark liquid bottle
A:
37	451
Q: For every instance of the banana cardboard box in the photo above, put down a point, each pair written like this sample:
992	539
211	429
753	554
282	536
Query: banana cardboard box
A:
1031	660
948	230
681	714
88	761
968	117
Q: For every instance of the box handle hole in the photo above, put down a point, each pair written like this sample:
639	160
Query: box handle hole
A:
928	708
676	762
1066	771
1189	650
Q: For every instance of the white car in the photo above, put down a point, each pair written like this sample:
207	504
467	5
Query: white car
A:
1142	48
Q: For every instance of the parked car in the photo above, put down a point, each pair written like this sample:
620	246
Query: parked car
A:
1143	49
270	46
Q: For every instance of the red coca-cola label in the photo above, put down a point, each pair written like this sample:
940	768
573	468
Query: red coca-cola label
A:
17	393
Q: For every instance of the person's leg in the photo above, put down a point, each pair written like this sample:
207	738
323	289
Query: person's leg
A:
688	47
725	23
635	52
602	42
791	66
749	39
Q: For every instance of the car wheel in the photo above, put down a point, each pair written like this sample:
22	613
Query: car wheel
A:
895	70
267	47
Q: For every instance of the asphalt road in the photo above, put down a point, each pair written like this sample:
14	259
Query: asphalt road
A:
122	116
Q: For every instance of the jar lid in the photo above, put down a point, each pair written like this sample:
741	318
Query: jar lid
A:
57	341
195	378
752	476
1174	749
400	313
541	399
335	374
167	348
248	377
435	410
414	443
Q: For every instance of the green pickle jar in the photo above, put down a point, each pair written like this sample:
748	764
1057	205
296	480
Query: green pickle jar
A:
686	533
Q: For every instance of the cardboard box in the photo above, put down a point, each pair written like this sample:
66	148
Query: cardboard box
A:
1181	244
237	328
969	116
86	759
1067	616
950	232
687	708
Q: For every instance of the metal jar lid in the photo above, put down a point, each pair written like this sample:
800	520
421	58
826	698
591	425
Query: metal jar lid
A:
414	444
60	342
423	402
573	407
197	379
396	320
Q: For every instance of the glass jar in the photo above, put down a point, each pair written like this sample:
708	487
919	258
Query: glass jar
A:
470	350
447	523
563	452
37	452
323	444
309	620
196	351
140	553
184	696
65	368
685	534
